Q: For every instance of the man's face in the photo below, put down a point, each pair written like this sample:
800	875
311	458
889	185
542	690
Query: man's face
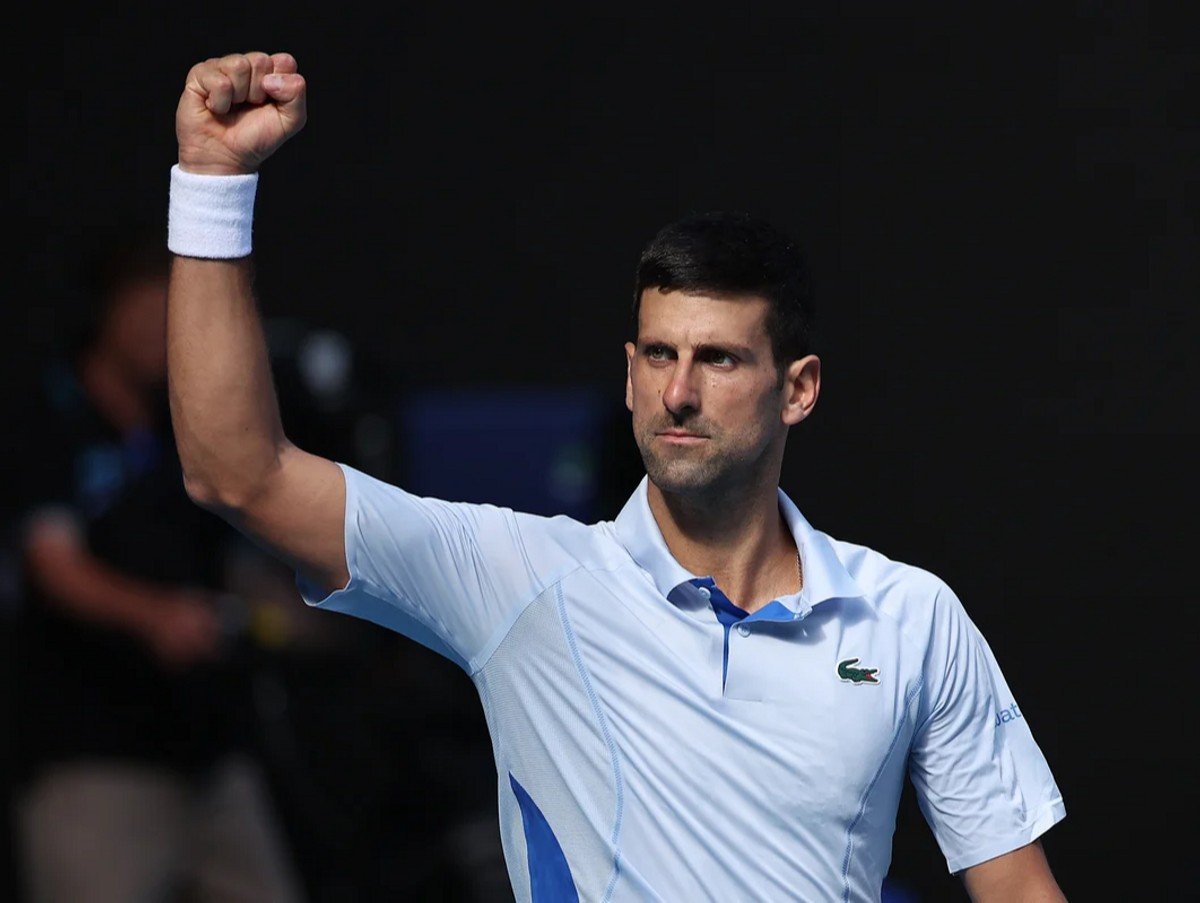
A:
703	389
136	329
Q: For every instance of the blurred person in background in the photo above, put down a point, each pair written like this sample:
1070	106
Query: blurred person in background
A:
133	725
175	704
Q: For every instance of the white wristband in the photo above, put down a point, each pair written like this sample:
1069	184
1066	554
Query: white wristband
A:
210	216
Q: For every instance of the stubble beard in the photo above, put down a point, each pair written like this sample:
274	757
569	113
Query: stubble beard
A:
694	472
675	475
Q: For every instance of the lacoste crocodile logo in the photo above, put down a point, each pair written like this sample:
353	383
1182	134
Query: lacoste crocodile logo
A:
847	672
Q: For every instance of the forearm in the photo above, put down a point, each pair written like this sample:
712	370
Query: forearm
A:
223	403
78	583
1022	876
1032	891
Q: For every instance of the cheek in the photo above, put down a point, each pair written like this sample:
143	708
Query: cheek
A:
142	324
146	345
149	339
642	393
750	413
640	405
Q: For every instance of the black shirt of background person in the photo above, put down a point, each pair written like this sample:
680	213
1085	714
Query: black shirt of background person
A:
90	691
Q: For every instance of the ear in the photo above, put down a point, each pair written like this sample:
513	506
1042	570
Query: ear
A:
801	386
630	348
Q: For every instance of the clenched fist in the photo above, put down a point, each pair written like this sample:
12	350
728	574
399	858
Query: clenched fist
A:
236	110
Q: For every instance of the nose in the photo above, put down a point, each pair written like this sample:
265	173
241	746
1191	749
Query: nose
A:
681	396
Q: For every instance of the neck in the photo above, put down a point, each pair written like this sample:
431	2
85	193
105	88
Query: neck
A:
738	537
120	399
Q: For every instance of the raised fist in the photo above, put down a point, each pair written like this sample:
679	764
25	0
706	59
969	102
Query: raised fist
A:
236	110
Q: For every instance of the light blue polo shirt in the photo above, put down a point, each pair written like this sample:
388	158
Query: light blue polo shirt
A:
653	743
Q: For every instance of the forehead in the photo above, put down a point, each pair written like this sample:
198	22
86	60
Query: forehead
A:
688	318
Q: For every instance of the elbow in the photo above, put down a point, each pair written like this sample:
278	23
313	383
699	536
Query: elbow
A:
229	495
203	493
227	502
221	499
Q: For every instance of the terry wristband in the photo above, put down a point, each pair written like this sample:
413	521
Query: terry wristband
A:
210	216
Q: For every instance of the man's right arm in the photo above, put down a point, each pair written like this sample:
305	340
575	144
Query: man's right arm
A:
453	576
236	460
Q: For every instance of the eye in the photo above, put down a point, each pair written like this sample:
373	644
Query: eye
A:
719	358
656	352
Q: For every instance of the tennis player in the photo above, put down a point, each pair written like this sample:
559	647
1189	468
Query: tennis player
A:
705	699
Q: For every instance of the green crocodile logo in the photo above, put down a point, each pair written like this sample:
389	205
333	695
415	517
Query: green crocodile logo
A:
847	672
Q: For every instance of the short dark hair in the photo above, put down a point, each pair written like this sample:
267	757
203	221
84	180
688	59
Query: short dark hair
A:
735	253
114	261
122	261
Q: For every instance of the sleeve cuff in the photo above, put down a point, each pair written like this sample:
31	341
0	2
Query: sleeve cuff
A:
1043	820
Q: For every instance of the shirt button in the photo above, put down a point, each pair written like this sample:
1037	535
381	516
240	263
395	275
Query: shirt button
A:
743	630
704	592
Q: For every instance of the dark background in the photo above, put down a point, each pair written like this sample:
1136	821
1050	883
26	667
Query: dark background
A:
1000	208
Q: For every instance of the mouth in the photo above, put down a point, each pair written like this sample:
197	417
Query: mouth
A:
680	437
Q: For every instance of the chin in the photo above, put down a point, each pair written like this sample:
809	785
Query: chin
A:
681	477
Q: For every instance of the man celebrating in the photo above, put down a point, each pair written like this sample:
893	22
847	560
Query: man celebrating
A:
706	698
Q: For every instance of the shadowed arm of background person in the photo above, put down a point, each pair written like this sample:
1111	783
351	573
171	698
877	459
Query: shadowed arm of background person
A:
1022	876
233	113
177	623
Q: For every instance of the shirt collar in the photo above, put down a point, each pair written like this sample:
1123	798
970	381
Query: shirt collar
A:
825	577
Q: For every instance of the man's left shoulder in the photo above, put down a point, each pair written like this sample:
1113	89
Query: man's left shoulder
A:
904	591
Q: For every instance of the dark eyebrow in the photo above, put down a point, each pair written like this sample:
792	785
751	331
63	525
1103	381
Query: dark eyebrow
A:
738	352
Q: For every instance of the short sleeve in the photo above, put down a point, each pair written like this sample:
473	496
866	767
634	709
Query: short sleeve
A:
981	781
451	575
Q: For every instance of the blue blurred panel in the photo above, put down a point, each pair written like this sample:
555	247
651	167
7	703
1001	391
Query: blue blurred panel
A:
893	892
532	449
